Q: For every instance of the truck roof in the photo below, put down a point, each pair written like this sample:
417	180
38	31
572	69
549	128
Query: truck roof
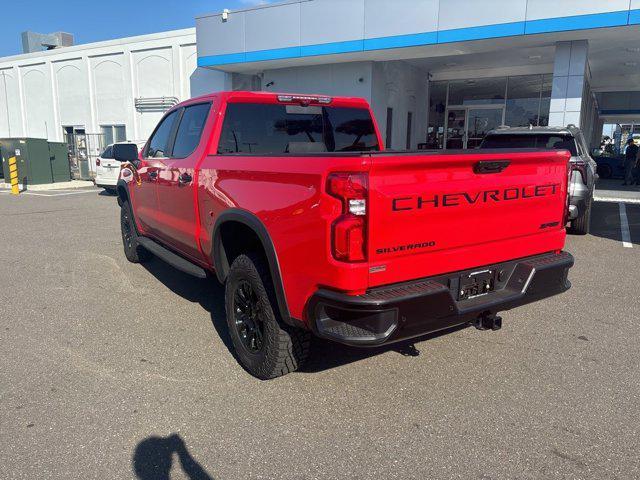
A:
272	97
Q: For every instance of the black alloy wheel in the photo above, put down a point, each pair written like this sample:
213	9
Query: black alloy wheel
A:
262	343
248	317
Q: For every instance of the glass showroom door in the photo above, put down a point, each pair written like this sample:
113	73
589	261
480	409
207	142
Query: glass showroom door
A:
479	122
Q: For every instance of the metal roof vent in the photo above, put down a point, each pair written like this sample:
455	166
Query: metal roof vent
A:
155	104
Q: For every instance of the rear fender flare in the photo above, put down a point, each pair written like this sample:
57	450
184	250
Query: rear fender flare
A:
221	263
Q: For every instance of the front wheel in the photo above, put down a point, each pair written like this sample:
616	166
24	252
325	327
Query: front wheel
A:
263	344
134	252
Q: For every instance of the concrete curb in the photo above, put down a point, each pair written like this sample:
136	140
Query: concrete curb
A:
53	186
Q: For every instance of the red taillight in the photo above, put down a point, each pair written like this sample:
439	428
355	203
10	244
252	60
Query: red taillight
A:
581	167
348	231
97	162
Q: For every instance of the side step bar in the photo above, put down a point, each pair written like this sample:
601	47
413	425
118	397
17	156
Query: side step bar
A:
171	258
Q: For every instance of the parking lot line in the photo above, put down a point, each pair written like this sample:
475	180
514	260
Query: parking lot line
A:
624	227
616	200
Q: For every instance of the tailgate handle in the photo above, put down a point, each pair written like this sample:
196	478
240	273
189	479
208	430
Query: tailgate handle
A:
493	166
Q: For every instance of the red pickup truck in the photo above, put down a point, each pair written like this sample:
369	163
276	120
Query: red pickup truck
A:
314	229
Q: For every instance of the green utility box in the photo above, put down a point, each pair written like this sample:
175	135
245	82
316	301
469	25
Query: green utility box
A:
59	157
38	161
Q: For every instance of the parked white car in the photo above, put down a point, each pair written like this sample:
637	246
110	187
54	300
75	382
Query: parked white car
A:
108	168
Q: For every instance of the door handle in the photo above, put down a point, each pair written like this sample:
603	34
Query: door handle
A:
153	175
184	178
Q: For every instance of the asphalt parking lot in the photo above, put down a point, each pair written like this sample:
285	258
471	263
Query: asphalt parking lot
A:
113	370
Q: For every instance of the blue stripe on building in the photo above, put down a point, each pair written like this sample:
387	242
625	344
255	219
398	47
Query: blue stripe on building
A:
531	27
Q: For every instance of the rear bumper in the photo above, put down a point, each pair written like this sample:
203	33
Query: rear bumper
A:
106	177
106	182
406	310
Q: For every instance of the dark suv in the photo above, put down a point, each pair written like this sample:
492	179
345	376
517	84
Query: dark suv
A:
568	138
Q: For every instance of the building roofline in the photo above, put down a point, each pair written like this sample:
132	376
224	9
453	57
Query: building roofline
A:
256	7
100	44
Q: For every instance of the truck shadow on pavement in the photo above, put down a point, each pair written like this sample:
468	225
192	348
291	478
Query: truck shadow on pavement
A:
324	354
153	459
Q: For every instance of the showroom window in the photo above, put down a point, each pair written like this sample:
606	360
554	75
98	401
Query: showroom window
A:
528	100
113	133
483	91
462	111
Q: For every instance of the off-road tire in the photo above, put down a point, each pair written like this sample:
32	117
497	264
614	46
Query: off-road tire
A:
580	226
283	348
134	252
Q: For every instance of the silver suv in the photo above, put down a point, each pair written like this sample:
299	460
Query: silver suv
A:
583	175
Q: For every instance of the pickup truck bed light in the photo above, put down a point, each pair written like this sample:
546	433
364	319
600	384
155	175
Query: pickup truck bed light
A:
304	99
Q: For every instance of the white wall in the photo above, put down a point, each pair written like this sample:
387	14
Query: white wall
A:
94	84
71	92
403	88
37	101
204	80
10	109
111	102
342	79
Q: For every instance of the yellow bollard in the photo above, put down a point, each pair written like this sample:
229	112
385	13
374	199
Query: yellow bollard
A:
13	174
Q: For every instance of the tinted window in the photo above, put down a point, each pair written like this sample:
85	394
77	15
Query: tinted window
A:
108	152
159	143
279	129
190	130
555	142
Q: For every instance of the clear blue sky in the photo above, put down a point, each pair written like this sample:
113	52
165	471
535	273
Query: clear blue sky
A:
92	21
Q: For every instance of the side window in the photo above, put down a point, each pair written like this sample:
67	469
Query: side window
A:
190	130
108	152
159	143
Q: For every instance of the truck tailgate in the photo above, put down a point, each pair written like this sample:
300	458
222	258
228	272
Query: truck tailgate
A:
438	213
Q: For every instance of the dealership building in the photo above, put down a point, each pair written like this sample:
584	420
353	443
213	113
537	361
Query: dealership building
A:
438	73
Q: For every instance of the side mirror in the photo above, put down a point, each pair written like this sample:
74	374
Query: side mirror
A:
125	152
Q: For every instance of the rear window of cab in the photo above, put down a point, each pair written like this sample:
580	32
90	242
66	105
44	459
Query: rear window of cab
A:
251	128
